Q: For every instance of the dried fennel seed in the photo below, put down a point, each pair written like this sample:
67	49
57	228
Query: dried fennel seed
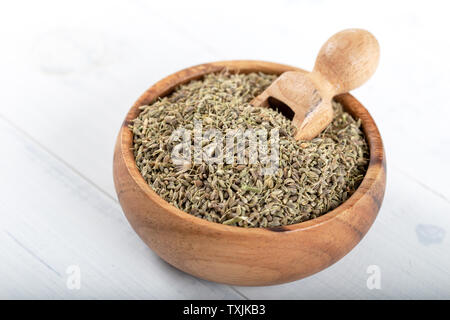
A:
313	178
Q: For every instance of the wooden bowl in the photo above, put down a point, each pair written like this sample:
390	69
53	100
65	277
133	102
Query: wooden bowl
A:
236	255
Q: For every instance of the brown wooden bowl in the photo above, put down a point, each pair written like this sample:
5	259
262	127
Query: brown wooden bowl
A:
236	255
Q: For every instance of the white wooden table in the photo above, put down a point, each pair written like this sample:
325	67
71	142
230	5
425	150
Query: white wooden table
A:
69	71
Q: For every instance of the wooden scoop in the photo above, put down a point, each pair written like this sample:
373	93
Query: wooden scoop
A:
345	62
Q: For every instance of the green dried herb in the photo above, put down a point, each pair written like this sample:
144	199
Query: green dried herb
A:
313	177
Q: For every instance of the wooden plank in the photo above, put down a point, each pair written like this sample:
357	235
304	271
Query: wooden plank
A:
409	243
51	219
80	77
407	94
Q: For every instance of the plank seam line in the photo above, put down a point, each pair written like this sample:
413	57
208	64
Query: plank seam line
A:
20	244
423	185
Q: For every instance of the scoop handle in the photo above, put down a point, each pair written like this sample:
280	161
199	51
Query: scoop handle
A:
347	60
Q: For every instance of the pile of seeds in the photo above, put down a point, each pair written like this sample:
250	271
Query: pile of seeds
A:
313	177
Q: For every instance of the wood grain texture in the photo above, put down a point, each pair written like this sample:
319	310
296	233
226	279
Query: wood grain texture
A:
235	255
345	61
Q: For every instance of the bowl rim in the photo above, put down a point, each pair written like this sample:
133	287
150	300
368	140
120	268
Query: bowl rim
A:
167	85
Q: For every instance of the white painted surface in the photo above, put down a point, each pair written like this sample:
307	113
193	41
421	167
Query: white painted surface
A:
69	72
